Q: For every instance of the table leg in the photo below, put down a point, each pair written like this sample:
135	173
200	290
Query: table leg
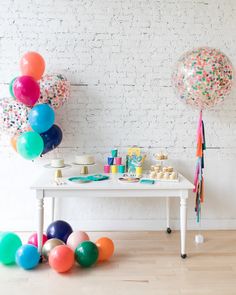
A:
40	203
53	209
168	229
183	223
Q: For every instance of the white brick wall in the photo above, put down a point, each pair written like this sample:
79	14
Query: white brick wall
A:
119	55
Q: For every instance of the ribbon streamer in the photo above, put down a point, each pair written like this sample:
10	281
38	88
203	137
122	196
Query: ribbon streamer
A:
198	178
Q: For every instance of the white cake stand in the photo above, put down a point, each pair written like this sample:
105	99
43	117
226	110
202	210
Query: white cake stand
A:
84	167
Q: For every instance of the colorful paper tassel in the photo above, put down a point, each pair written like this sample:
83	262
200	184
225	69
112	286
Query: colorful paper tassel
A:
198	178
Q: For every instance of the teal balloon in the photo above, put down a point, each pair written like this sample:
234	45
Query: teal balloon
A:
11	87
30	145
9	244
86	254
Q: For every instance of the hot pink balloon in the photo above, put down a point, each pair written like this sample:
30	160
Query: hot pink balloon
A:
26	90
33	240
76	238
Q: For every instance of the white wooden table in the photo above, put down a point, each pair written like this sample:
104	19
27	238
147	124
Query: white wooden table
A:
113	188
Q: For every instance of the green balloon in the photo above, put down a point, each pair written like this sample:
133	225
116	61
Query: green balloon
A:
9	244
86	254
11	87
30	145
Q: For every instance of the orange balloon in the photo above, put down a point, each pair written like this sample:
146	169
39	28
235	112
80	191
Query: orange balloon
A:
105	248
61	258
32	64
13	141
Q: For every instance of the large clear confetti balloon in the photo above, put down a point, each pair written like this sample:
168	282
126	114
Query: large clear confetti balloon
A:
203	77
13	116
54	90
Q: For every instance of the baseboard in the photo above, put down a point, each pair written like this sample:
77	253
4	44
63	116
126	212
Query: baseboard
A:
128	225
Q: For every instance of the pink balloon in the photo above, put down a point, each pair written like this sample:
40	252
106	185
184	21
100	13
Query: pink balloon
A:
33	239
76	238
26	90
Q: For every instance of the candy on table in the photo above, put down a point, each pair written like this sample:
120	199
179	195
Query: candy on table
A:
161	156
153	174
170	169
159	175
157	168
153	167
166	175
165	169
173	175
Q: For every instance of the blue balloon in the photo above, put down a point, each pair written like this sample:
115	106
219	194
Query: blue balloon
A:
51	138
41	118
59	229
27	256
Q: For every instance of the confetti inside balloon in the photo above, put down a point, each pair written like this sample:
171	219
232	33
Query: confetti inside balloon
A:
203	77
13	116
55	90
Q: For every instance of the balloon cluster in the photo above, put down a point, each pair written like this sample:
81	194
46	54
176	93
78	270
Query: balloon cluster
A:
61	248
29	114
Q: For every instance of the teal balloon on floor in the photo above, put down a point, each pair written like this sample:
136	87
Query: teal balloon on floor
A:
86	254
27	256
30	145
9	244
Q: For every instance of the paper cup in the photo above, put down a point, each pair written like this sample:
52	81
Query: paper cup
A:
114	153
118	160
107	168
139	171
121	168
110	160
114	169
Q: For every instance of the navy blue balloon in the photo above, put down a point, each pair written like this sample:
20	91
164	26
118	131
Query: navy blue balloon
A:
59	229
51	138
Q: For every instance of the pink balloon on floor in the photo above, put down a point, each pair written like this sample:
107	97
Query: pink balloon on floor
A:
33	240
76	238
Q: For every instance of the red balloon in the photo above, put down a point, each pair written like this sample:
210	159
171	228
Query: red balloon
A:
33	240
61	258
26	90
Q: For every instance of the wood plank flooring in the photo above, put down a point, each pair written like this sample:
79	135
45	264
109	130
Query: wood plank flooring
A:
144	263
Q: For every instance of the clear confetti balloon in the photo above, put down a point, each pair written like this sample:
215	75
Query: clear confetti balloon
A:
13	116
203	77
55	90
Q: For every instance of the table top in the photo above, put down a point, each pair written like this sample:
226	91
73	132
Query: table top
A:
46	182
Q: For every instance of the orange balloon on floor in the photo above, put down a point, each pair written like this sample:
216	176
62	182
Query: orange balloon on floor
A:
61	258
32	64
105	248
13	141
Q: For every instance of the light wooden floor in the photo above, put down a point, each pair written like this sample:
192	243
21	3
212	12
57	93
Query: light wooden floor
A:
144	263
